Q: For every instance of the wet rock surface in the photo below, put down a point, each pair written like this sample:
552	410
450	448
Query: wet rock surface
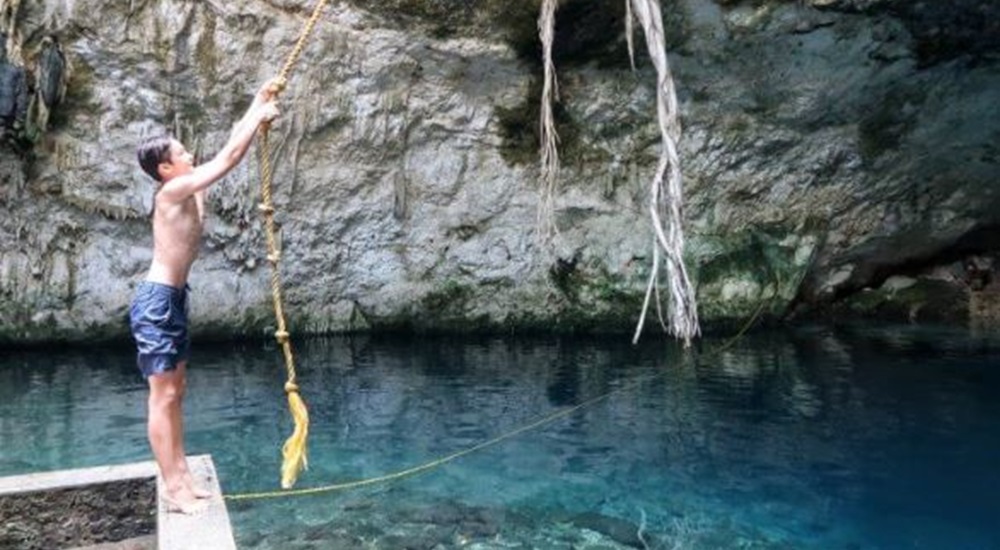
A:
829	146
78	517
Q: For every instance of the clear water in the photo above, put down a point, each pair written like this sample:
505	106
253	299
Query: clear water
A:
875	438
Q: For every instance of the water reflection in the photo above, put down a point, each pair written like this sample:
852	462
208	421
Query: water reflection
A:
809	438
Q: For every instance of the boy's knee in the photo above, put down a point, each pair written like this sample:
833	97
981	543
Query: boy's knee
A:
165	389
165	396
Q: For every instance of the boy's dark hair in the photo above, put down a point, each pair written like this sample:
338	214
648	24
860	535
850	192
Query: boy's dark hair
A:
151	153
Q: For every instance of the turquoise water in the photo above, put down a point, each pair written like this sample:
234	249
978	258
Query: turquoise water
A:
874	438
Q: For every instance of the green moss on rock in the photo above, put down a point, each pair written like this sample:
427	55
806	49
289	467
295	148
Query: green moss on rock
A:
755	270
449	300
594	299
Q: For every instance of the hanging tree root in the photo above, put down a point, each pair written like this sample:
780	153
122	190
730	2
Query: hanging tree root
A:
666	192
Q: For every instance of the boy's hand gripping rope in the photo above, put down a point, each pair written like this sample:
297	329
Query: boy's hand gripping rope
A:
294	451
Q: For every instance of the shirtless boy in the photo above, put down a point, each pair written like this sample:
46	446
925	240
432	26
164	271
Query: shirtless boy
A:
159	310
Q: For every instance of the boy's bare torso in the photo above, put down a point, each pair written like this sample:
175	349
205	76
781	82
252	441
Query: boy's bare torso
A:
177	230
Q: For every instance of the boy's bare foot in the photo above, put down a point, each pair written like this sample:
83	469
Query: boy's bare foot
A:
193	487
198	492
188	507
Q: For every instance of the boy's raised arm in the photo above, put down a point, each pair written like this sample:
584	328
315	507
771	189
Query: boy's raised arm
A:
267	92
263	109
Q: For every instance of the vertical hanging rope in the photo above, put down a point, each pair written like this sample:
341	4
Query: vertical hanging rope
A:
666	193
293	452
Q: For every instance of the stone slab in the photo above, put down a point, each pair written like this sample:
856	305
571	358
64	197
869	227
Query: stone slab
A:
138	543
49	496
69	479
77	508
208	529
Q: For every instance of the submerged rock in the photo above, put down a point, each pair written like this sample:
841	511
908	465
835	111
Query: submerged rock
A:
619	530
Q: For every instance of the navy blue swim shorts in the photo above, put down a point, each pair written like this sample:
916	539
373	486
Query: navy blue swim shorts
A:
159	321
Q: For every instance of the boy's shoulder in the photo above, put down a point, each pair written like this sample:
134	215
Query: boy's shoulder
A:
172	190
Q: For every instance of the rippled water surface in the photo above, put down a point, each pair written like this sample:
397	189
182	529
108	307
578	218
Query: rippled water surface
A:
815	438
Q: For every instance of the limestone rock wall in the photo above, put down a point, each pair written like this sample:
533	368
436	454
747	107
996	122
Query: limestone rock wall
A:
829	146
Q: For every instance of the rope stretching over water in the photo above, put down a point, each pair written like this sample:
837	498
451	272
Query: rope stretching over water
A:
427	466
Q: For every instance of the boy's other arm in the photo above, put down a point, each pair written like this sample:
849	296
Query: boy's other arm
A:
206	174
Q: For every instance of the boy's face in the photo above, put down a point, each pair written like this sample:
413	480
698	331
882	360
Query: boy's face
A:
179	161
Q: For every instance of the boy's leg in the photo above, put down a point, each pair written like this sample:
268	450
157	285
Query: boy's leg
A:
180	456
166	437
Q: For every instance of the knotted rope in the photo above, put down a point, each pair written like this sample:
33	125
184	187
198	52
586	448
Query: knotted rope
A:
294	451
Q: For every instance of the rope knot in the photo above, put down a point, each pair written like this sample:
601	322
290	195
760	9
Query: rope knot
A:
294	451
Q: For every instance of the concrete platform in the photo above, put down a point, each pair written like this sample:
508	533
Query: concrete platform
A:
209	529
108	508
138	543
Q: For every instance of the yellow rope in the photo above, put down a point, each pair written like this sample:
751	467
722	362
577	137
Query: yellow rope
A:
294	450
448	458
421	468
